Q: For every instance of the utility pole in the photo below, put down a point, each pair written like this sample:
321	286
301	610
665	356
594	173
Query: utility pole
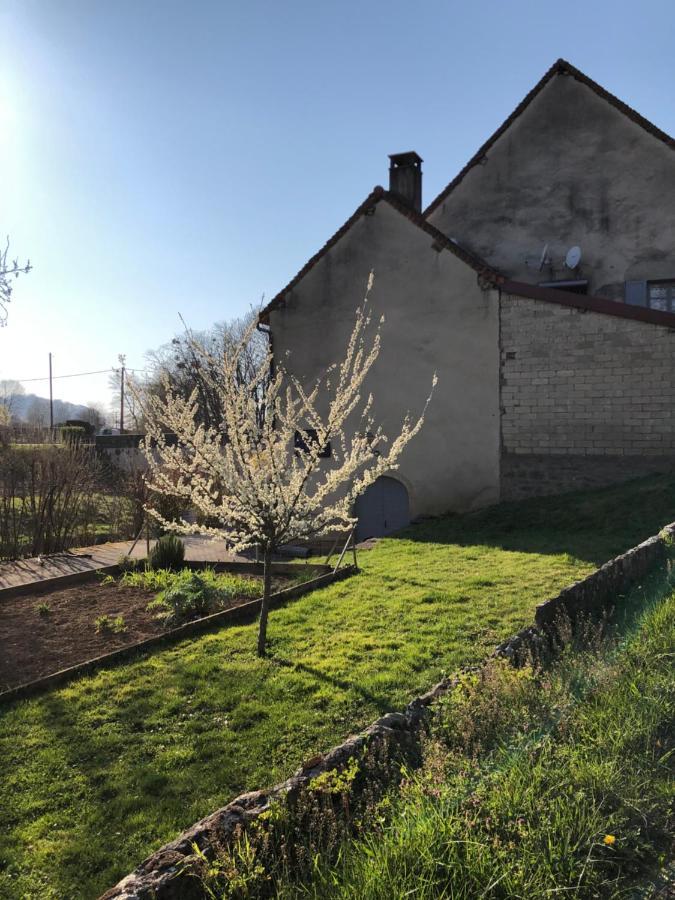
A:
51	399
122	359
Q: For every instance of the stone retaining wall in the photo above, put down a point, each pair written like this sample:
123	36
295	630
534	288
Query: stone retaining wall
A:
163	875
589	598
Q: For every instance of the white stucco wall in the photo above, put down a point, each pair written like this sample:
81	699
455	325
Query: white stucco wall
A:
436	319
572	169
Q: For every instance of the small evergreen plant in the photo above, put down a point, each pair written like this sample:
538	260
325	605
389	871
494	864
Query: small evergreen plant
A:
168	553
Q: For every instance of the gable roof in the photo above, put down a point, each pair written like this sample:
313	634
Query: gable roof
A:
377	195
584	302
561	67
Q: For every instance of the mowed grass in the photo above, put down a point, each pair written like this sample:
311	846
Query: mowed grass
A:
96	775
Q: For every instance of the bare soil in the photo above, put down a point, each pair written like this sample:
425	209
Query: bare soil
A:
34	644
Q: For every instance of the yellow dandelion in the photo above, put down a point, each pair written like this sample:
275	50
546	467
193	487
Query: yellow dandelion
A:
609	839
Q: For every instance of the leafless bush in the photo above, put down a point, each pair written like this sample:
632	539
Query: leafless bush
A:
129	498
49	498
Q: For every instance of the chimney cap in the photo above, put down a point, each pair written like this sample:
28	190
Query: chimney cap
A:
405	159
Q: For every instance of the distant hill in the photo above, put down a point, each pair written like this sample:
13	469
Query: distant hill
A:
35	410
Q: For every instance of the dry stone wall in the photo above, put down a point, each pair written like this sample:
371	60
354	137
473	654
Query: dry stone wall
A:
166	874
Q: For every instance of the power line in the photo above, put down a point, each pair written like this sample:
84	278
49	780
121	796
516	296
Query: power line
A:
72	375
109	371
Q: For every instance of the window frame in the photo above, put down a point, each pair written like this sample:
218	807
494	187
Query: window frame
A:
669	283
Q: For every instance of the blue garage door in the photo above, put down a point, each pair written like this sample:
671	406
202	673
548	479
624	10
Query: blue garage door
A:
382	508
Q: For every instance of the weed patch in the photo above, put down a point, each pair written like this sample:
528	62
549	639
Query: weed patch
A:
109	624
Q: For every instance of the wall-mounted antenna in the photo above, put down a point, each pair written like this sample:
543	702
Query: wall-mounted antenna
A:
545	259
573	257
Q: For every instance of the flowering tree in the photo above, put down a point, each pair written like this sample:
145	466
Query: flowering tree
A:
262	479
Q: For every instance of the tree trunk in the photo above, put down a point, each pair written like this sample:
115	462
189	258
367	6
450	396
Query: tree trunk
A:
265	607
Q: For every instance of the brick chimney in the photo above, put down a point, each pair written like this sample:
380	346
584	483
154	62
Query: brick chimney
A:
405	178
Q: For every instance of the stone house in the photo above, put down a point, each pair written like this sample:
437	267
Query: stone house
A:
539	285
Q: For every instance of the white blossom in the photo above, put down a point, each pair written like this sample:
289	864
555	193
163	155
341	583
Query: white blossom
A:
245	477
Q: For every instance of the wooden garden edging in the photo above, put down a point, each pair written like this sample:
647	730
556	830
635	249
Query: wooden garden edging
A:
56	582
246	612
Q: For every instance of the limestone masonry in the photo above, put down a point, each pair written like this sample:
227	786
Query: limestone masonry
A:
539	285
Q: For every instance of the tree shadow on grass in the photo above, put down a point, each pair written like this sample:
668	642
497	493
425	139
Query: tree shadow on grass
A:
589	525
89	789
115	798
382	704
129	797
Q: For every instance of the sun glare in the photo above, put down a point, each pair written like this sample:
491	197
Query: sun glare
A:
6	112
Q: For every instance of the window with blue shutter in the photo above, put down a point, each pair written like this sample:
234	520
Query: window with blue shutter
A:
652	294
636	293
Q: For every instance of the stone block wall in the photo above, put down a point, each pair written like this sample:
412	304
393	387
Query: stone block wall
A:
526	475
586	398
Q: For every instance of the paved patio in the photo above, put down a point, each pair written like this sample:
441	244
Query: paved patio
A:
87	559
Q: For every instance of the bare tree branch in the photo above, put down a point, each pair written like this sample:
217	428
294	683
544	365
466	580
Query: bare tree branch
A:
9	271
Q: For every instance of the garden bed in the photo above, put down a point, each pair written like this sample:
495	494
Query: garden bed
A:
45	632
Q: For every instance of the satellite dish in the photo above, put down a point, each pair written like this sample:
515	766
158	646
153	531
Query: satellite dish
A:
573	257
544	260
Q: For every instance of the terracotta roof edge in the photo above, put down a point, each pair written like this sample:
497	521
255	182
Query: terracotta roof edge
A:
559	67
589	303
416	218
466	256
377	194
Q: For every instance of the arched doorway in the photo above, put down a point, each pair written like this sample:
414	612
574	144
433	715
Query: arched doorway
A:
382	508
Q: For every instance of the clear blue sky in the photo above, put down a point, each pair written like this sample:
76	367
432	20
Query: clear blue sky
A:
165	157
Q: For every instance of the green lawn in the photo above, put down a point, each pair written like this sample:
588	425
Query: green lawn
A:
96	775
570	794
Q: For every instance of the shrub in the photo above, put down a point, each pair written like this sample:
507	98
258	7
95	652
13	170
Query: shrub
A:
490	706
133	487
43	609
48	498
189	597
168	553
169	507
82	424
